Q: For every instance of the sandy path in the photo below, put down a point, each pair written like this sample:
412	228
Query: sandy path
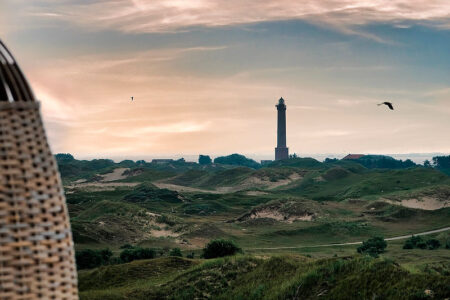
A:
425	203
182	188
401	237
116	174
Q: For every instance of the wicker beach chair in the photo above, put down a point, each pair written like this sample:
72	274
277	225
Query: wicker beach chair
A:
36	248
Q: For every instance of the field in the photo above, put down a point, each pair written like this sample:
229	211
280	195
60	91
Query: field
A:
288	213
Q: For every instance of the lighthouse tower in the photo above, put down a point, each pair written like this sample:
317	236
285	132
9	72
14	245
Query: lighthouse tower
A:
281	151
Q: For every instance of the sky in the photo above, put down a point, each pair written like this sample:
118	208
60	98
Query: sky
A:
206	75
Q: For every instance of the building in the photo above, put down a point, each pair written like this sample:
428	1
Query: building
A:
353	156
281	151
36	248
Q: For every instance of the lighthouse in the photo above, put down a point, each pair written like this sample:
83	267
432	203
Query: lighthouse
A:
281	151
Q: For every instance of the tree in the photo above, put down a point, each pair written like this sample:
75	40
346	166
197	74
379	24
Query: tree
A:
175	252
88	258
433	244
373	246
204	160
427	164
294	155
129	255
220	248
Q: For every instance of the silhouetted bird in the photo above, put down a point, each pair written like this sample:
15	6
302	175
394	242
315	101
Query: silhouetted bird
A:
389	104
132	98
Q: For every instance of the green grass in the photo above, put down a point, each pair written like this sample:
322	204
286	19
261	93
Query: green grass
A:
249	277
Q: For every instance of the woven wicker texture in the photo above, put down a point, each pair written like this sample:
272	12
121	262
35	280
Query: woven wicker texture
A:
36	248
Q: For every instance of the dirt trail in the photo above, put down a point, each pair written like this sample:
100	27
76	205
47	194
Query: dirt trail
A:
425	203
401	237
182	188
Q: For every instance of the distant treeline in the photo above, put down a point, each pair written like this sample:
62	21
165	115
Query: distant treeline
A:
71	167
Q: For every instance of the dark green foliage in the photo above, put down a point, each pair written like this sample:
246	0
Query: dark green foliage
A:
190	255
64	157
238	160
126	246
442	163
433	244
373	246
175	252
299	162
420	243
70	167
204	160
88	258
148	192
384	162
220	248
447	244
129	255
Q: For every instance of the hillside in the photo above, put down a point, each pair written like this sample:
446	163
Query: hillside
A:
248	277
288	207
289	202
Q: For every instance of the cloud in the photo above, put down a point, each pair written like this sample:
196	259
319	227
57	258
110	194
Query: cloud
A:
141	16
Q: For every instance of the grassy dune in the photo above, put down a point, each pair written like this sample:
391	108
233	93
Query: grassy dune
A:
249	277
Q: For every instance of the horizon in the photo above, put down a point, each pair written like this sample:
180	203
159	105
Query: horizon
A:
205	76
417	158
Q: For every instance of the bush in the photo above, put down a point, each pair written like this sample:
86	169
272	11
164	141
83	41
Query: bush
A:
408	244
373	246
88	258
175	252
190	255
220	248
204	160
129	255
433	244
126	246
237	160
419	242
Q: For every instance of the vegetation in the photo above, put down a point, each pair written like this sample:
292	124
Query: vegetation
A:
373	246
148	192
384	162
176	252
237	160
247	277
420	243
131	254
88	258
204	160
220	248
291	206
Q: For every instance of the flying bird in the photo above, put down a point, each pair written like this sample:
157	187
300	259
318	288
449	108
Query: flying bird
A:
132	98
389	104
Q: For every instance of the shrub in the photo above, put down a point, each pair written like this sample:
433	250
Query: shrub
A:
204	160
175	252
433	244
220	248
373	246
408	244
129	255
190	255
88	258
